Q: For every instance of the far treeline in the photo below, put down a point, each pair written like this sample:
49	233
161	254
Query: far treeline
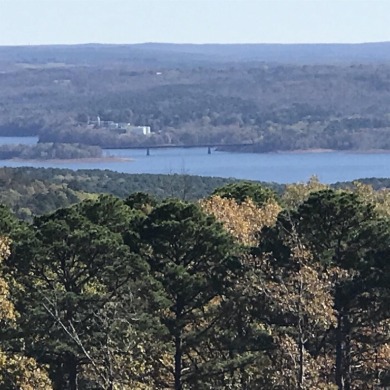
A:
302	98
35	191
243	289
30	192
49	151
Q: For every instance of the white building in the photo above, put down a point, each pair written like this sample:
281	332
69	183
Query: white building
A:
143	130
121	127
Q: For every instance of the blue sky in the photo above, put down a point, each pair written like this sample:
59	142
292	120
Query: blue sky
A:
24	22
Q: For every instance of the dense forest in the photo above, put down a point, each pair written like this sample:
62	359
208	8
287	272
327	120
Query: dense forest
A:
36	191
272	103
30	192
243	289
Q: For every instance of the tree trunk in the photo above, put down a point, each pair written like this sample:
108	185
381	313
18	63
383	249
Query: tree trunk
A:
301	373
59	377
343	352
339	353
301	343
73	380
347	363
178	362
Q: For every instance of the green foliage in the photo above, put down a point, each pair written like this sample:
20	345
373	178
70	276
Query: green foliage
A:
338	226
244	190
347	241
148	294
8	221
193	262
140	201
37	191
107	211
71	268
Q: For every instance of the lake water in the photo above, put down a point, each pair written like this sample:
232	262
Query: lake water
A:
330	167
18	140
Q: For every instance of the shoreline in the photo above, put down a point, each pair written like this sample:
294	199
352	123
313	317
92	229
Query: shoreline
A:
349	151
77	160
302	151
112	159
314	151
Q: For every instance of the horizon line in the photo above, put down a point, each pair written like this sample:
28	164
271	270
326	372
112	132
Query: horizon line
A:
195	44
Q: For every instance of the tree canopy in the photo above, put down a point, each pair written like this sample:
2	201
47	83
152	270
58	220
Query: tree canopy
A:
223	293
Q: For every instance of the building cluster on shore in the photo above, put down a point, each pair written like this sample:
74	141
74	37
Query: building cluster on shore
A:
120	127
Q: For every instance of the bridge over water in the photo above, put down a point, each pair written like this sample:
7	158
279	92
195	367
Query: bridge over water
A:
171	146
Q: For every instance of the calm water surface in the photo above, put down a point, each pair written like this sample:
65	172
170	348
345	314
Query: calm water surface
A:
279	167
18	140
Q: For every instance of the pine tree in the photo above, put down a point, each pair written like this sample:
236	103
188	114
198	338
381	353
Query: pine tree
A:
192	262
70	270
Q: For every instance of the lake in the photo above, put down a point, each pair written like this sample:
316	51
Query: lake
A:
330	167
18	140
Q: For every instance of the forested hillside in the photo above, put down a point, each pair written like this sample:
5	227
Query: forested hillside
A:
30	192
36	191
243	289
273	104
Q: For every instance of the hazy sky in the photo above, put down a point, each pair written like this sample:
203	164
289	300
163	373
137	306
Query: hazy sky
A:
194	21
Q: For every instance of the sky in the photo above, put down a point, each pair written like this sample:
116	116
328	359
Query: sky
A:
32	22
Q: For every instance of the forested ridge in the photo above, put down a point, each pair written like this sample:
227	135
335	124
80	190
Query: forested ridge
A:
273	104
243	289
37	191
30	192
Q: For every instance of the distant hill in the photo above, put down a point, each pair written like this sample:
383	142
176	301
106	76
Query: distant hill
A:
286	53
275	97
167	54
